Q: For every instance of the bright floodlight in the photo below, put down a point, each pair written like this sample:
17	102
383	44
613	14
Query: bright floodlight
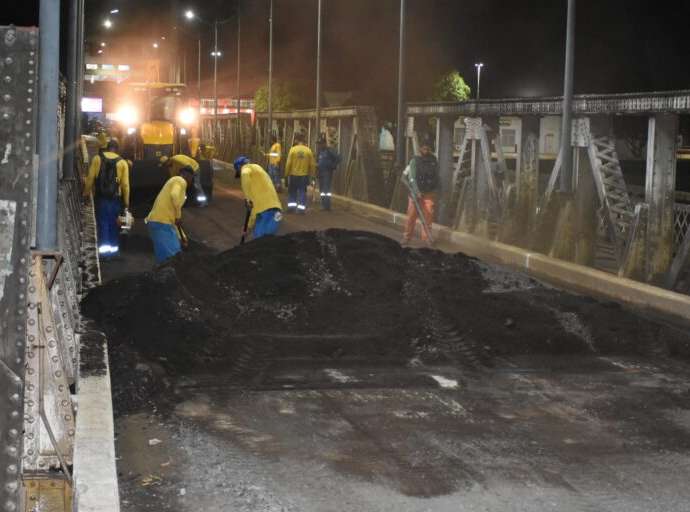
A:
216	54
107	23
114	11
102	45
187	116
155	45
127	115
479	65
189	14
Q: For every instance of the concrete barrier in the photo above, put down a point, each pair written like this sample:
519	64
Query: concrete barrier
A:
564	274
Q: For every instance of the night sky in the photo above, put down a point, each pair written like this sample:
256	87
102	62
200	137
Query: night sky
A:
622	45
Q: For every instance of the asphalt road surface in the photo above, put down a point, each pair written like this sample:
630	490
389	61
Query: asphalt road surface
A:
583	433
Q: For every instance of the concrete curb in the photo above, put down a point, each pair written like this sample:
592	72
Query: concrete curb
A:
567	275
95	475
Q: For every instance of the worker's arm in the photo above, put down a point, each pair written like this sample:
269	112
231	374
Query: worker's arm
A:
123	177
94	168
177	196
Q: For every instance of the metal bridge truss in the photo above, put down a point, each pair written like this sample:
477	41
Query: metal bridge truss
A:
39	299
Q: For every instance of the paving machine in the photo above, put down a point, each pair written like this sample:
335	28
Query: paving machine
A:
156	119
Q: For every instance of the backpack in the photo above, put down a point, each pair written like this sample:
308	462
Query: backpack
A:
426	168
107	186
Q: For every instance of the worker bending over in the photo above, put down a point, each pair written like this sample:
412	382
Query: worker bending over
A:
175	163
423	175
108	179
299	169
275	155
262	199
164	222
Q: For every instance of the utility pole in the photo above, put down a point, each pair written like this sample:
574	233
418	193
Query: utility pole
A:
568	85
80	68
48	80
239	55
318	71
479	67
198	74
401	142
68	168
269	129
215	83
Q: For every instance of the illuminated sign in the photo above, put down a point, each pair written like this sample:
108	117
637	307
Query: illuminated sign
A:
92	105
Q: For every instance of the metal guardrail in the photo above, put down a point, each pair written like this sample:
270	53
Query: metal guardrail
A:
681	224
326	113
634	103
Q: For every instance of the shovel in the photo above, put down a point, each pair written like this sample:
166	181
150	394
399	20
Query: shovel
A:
246	225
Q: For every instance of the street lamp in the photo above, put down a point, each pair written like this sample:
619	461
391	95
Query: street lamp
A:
216	54
102	44
155	45
108	23
479	67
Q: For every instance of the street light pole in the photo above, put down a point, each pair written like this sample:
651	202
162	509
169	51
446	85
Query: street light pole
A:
215	82
318	70
400	143
568	86
48	100
479	67
269	129
239	55
198	73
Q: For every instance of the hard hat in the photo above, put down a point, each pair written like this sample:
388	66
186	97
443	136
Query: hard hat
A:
240	162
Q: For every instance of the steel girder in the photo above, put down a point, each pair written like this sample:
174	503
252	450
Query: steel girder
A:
589	104
18	64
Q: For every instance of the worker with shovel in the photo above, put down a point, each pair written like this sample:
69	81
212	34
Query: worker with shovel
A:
264	210
421	177
164	222
175	163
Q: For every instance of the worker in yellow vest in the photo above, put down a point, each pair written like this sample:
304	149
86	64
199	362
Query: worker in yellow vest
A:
299	170
177	162
108	179
164	222
266	211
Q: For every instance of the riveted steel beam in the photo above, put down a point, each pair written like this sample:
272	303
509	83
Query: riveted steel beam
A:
587	104
18	57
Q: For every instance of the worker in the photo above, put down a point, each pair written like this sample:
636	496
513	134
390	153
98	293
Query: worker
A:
175	163
328	160
261	196
164	222
299	169
275	155
108	180
423	175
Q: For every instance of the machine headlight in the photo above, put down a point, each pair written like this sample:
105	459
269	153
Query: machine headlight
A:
128	116
187	116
